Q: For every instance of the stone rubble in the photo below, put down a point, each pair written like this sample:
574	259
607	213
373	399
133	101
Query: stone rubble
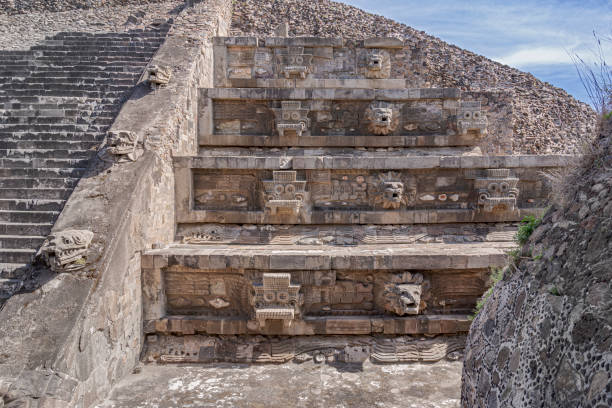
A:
22	31
546	118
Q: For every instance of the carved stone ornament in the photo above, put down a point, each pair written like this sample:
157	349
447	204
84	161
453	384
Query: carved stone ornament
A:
159	75
122	146
284	194
65	251
293	62
378	64
382	119
276	299
391	192
497	191
403	295
291	118
471	118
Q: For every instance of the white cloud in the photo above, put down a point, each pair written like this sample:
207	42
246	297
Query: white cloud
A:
536	56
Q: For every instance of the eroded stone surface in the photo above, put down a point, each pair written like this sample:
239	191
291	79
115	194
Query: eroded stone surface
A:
290	385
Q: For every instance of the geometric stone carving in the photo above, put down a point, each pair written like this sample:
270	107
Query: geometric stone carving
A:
292	118
64	251
378	64
402	296
391	192
276	299
382	119
284	194
471	118
159	76
122	144
293	62
497	191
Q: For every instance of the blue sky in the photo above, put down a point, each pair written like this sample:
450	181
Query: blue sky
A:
533	36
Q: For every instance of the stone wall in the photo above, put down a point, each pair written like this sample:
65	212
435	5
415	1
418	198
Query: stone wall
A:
66	343
545	118
544	336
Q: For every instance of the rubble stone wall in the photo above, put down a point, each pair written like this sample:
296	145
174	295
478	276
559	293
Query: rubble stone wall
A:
26	6
544	336
66	343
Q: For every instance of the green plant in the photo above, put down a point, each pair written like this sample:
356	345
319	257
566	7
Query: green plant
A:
497	274
554	291
538	257
528	225
514	255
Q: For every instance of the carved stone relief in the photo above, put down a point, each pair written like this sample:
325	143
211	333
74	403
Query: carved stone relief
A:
291	118
122	146
294	62
284	194
471	118
65	251
402	296
378	64
276	299
220	191
382	118
497	190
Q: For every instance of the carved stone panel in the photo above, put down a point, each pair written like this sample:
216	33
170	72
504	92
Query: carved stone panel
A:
225	191
471	118
284	194
291	118
497	190
294	62
391	191
276	299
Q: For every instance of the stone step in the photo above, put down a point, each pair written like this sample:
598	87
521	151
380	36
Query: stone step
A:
49	163
49	144
311	117
44	154
17	256
21	241
205	289
14	204
50	137
32	229
64	119
36	193
433	256
31	182
327	186
28	216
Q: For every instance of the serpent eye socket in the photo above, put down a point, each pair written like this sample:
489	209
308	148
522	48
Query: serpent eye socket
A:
286	116
467	115
295	115
290	188
269	297
299	59
279	189
476	115
493	187
283	297
503	187
483	197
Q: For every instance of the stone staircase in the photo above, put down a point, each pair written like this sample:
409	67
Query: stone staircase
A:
331	199
56	102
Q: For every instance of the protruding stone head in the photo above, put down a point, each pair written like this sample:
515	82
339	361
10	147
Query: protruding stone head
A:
403	299
378	64
65	251
121	142
382	120
159	75
393	192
